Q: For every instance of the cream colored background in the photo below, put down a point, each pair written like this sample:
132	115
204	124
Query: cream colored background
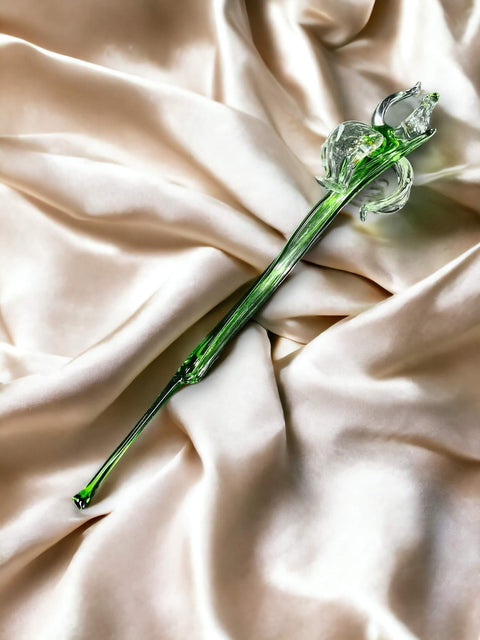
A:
321	484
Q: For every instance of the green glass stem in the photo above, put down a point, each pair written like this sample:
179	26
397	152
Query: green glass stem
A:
201	359
83	498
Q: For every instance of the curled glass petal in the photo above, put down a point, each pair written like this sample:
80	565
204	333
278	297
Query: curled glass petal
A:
379	115
348	143
395	201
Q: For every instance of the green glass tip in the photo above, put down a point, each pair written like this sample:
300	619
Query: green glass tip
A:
82	499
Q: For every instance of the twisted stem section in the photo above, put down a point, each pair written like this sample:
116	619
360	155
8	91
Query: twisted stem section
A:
202	358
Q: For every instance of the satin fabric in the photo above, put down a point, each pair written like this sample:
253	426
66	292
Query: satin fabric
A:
323	481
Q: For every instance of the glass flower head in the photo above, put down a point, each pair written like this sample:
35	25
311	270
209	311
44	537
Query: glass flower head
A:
399	121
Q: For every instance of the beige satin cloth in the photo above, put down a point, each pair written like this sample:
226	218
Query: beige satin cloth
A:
323	482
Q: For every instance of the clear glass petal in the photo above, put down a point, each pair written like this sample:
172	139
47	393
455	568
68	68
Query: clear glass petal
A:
348	143
380	113
392	202
419	120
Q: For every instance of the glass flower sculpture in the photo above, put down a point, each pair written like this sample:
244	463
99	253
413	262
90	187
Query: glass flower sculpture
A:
353	156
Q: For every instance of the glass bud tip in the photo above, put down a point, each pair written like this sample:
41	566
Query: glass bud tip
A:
418	121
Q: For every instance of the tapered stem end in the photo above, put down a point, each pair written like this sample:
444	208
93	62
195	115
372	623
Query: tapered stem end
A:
82	498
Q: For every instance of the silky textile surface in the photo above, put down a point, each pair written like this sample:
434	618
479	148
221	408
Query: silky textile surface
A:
323	481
